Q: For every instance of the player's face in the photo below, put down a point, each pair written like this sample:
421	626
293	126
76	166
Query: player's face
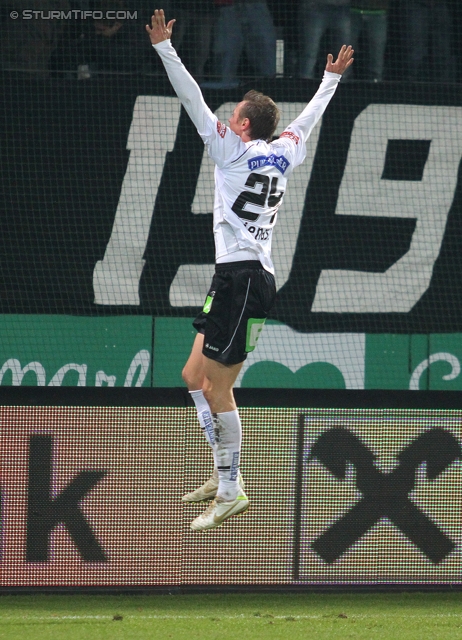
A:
236	119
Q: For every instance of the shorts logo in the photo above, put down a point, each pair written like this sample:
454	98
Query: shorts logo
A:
221	128
254	328
280	162
208	303
212	348
292	136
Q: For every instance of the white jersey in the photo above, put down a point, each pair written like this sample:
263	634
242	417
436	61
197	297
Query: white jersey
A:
250	177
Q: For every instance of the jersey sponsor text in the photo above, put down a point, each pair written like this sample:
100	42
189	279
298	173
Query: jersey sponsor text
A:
280	162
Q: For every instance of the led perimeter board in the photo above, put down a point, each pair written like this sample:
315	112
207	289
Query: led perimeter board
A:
346	488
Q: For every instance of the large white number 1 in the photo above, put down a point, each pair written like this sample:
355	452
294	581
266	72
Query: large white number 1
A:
152	133
364	193
116	278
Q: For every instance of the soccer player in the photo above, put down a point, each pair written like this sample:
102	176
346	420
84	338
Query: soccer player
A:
250	179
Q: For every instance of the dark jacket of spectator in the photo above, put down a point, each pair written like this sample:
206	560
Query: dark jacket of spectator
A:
371	5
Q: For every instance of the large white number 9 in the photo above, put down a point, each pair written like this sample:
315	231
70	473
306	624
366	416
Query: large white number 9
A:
364	193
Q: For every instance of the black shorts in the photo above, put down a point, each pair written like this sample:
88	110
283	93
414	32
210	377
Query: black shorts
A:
237	305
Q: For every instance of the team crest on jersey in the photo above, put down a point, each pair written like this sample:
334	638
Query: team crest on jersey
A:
280	162
292	136
221	128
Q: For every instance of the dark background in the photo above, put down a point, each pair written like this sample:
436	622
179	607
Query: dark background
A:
63	159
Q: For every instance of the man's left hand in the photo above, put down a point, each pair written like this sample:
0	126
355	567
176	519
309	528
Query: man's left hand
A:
344	60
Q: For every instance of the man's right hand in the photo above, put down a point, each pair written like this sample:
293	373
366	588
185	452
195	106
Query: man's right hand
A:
158	32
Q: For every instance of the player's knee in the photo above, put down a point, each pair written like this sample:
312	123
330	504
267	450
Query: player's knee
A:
219	398
185	376
209	391
190	379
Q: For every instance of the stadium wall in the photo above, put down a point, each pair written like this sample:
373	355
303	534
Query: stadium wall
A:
346	488
106	255
107	248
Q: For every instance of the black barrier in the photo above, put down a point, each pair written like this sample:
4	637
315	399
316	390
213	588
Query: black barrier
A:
64	161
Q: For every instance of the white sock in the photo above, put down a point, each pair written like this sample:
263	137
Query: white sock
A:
205	420
228	435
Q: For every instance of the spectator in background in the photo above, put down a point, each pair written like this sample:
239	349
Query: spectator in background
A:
369	18
192	37
249	24
315	18
427	30
108	44
27	45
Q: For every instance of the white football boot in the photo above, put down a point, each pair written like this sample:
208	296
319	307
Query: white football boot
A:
208	490
220	510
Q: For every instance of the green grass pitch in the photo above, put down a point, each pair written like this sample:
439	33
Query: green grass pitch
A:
285	616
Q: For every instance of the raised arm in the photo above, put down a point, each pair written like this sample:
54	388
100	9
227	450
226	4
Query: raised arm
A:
184	84
311	114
